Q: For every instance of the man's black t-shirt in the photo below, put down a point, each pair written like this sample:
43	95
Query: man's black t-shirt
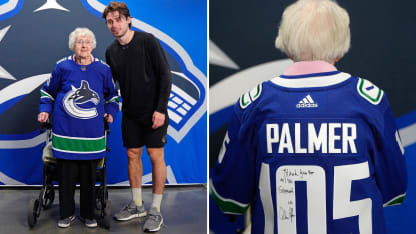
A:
142	71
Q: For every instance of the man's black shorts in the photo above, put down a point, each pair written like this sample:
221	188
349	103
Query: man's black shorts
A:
137	132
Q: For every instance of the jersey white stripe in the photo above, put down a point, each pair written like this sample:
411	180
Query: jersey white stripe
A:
78	152
266	198
79	138
311	82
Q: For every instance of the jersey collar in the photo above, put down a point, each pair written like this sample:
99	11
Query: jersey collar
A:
310	74
311	80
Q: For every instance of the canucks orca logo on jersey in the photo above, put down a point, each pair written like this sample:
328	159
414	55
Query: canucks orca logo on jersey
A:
74	98
30	60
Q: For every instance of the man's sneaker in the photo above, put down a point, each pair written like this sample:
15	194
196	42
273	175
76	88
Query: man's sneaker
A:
91	223
130	211
154	221
64	223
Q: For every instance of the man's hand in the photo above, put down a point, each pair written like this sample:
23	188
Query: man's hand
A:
158	119
43	116
110	118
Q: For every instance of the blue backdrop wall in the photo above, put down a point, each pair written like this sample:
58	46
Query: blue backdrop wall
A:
242	54
34	35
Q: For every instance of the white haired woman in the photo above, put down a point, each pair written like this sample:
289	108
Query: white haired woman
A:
314	30
80	93
317	149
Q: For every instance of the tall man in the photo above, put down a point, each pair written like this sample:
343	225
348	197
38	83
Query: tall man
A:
140	67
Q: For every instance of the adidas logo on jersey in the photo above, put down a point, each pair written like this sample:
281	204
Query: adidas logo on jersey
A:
307	102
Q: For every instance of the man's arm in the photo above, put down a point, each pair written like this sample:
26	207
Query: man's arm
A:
162	72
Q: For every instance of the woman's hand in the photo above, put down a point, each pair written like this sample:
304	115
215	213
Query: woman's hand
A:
110	118
43	116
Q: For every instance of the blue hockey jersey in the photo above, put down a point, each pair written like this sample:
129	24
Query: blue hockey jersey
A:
316	153
79	96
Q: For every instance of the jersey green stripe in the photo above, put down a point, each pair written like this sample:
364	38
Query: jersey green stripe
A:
45	94
396	201
78	145
114	99
228	206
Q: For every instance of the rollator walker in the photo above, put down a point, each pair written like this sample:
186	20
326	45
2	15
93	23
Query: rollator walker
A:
50	174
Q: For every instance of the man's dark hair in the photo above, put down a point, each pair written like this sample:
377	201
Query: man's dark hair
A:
121	7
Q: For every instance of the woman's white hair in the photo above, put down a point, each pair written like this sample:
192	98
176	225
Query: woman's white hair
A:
81	32
314	30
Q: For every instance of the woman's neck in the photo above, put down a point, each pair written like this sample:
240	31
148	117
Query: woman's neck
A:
82	60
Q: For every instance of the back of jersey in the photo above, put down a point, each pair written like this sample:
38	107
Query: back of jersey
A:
317	153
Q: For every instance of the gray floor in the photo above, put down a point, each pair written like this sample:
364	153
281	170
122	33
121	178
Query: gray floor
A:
184	210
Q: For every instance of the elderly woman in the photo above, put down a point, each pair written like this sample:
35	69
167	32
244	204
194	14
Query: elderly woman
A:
79	93
314	150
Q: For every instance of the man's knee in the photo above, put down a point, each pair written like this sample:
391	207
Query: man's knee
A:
156	154
134	153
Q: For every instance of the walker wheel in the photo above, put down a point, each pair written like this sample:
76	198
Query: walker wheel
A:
107	215
32	213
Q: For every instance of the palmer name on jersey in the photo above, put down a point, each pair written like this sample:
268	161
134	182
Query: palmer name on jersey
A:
323	138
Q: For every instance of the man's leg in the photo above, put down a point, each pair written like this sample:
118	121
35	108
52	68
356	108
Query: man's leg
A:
135	208
135	170
158	169
155	140
155	220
